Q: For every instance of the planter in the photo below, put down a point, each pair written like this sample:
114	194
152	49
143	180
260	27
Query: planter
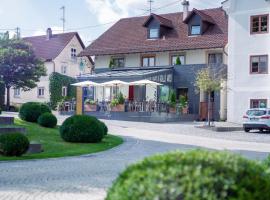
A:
118	108
185	110
172	110
90	108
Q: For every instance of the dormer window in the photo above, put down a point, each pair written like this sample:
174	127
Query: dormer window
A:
153	33
198	22
195	30
157	26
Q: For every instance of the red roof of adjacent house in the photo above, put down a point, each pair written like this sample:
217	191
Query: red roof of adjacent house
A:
130	36
49	49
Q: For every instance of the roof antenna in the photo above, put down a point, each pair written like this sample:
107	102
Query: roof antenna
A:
63	19
150	5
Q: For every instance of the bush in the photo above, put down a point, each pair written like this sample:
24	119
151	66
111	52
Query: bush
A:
105	128
193	175
47	120
82	129
32	110
13	144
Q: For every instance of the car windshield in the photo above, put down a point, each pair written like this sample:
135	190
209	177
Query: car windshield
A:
256	112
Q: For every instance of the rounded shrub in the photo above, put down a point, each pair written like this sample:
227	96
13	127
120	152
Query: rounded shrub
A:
47	120
105	128
193	175
32	110
82	129
13	144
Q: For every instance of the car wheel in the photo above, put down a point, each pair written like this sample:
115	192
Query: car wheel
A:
247	130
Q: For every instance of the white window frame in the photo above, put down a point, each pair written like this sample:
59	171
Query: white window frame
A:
42	93
73	53
64	91
17	92
64	69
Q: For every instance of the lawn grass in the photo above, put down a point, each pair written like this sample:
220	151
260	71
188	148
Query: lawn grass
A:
55	147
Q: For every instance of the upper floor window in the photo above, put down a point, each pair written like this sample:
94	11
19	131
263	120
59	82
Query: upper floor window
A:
148	61
64	69
258	103
259	24
215	59
259	64
41	91
73	53
153	33
17	92
117	62
178	59
195	30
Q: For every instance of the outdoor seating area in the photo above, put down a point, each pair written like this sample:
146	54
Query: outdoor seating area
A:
116	99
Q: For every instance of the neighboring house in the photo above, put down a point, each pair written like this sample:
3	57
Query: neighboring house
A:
149	47
59	53
248	63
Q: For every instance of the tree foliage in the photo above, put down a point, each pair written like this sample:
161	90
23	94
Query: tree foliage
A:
57	81
19	67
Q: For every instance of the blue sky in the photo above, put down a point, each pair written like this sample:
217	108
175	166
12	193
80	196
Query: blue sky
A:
34	16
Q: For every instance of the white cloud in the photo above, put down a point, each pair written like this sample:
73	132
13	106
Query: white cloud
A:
112	10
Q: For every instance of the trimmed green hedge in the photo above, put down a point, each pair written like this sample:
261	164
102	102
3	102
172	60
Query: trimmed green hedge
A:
47	120
13	144
191	176
2	95
32	110
82	129
57	81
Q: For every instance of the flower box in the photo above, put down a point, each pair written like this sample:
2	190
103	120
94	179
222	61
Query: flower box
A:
90	108
118	108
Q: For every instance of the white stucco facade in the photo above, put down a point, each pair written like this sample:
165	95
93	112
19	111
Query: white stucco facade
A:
244	86
63	60
199	56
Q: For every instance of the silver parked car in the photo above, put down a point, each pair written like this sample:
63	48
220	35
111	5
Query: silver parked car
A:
257	119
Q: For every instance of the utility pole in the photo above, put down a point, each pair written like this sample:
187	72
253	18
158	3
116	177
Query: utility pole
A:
63	19
150	5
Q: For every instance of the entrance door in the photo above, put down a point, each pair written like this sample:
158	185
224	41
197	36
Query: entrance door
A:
182	92
131	93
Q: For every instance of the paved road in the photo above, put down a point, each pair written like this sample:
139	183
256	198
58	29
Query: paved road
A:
88	177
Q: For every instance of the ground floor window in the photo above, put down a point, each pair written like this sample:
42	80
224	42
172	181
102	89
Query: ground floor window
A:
17	92
41	91
258	103
178	59
64	91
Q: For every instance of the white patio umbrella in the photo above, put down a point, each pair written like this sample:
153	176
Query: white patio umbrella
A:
145	82
115	83
86	84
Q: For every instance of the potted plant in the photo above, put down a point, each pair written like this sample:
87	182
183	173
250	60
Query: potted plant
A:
172	102
183	104
117	104
90	105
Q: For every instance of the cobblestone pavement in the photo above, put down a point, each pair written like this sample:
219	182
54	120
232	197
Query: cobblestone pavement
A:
88	177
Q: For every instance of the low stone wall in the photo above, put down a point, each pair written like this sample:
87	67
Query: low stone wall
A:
4	130
6	121
153	117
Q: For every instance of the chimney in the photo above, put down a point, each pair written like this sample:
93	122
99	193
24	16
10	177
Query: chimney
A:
49	33
185	4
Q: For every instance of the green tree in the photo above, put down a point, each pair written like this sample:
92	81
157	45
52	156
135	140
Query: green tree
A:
208	81
178	61
19	67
